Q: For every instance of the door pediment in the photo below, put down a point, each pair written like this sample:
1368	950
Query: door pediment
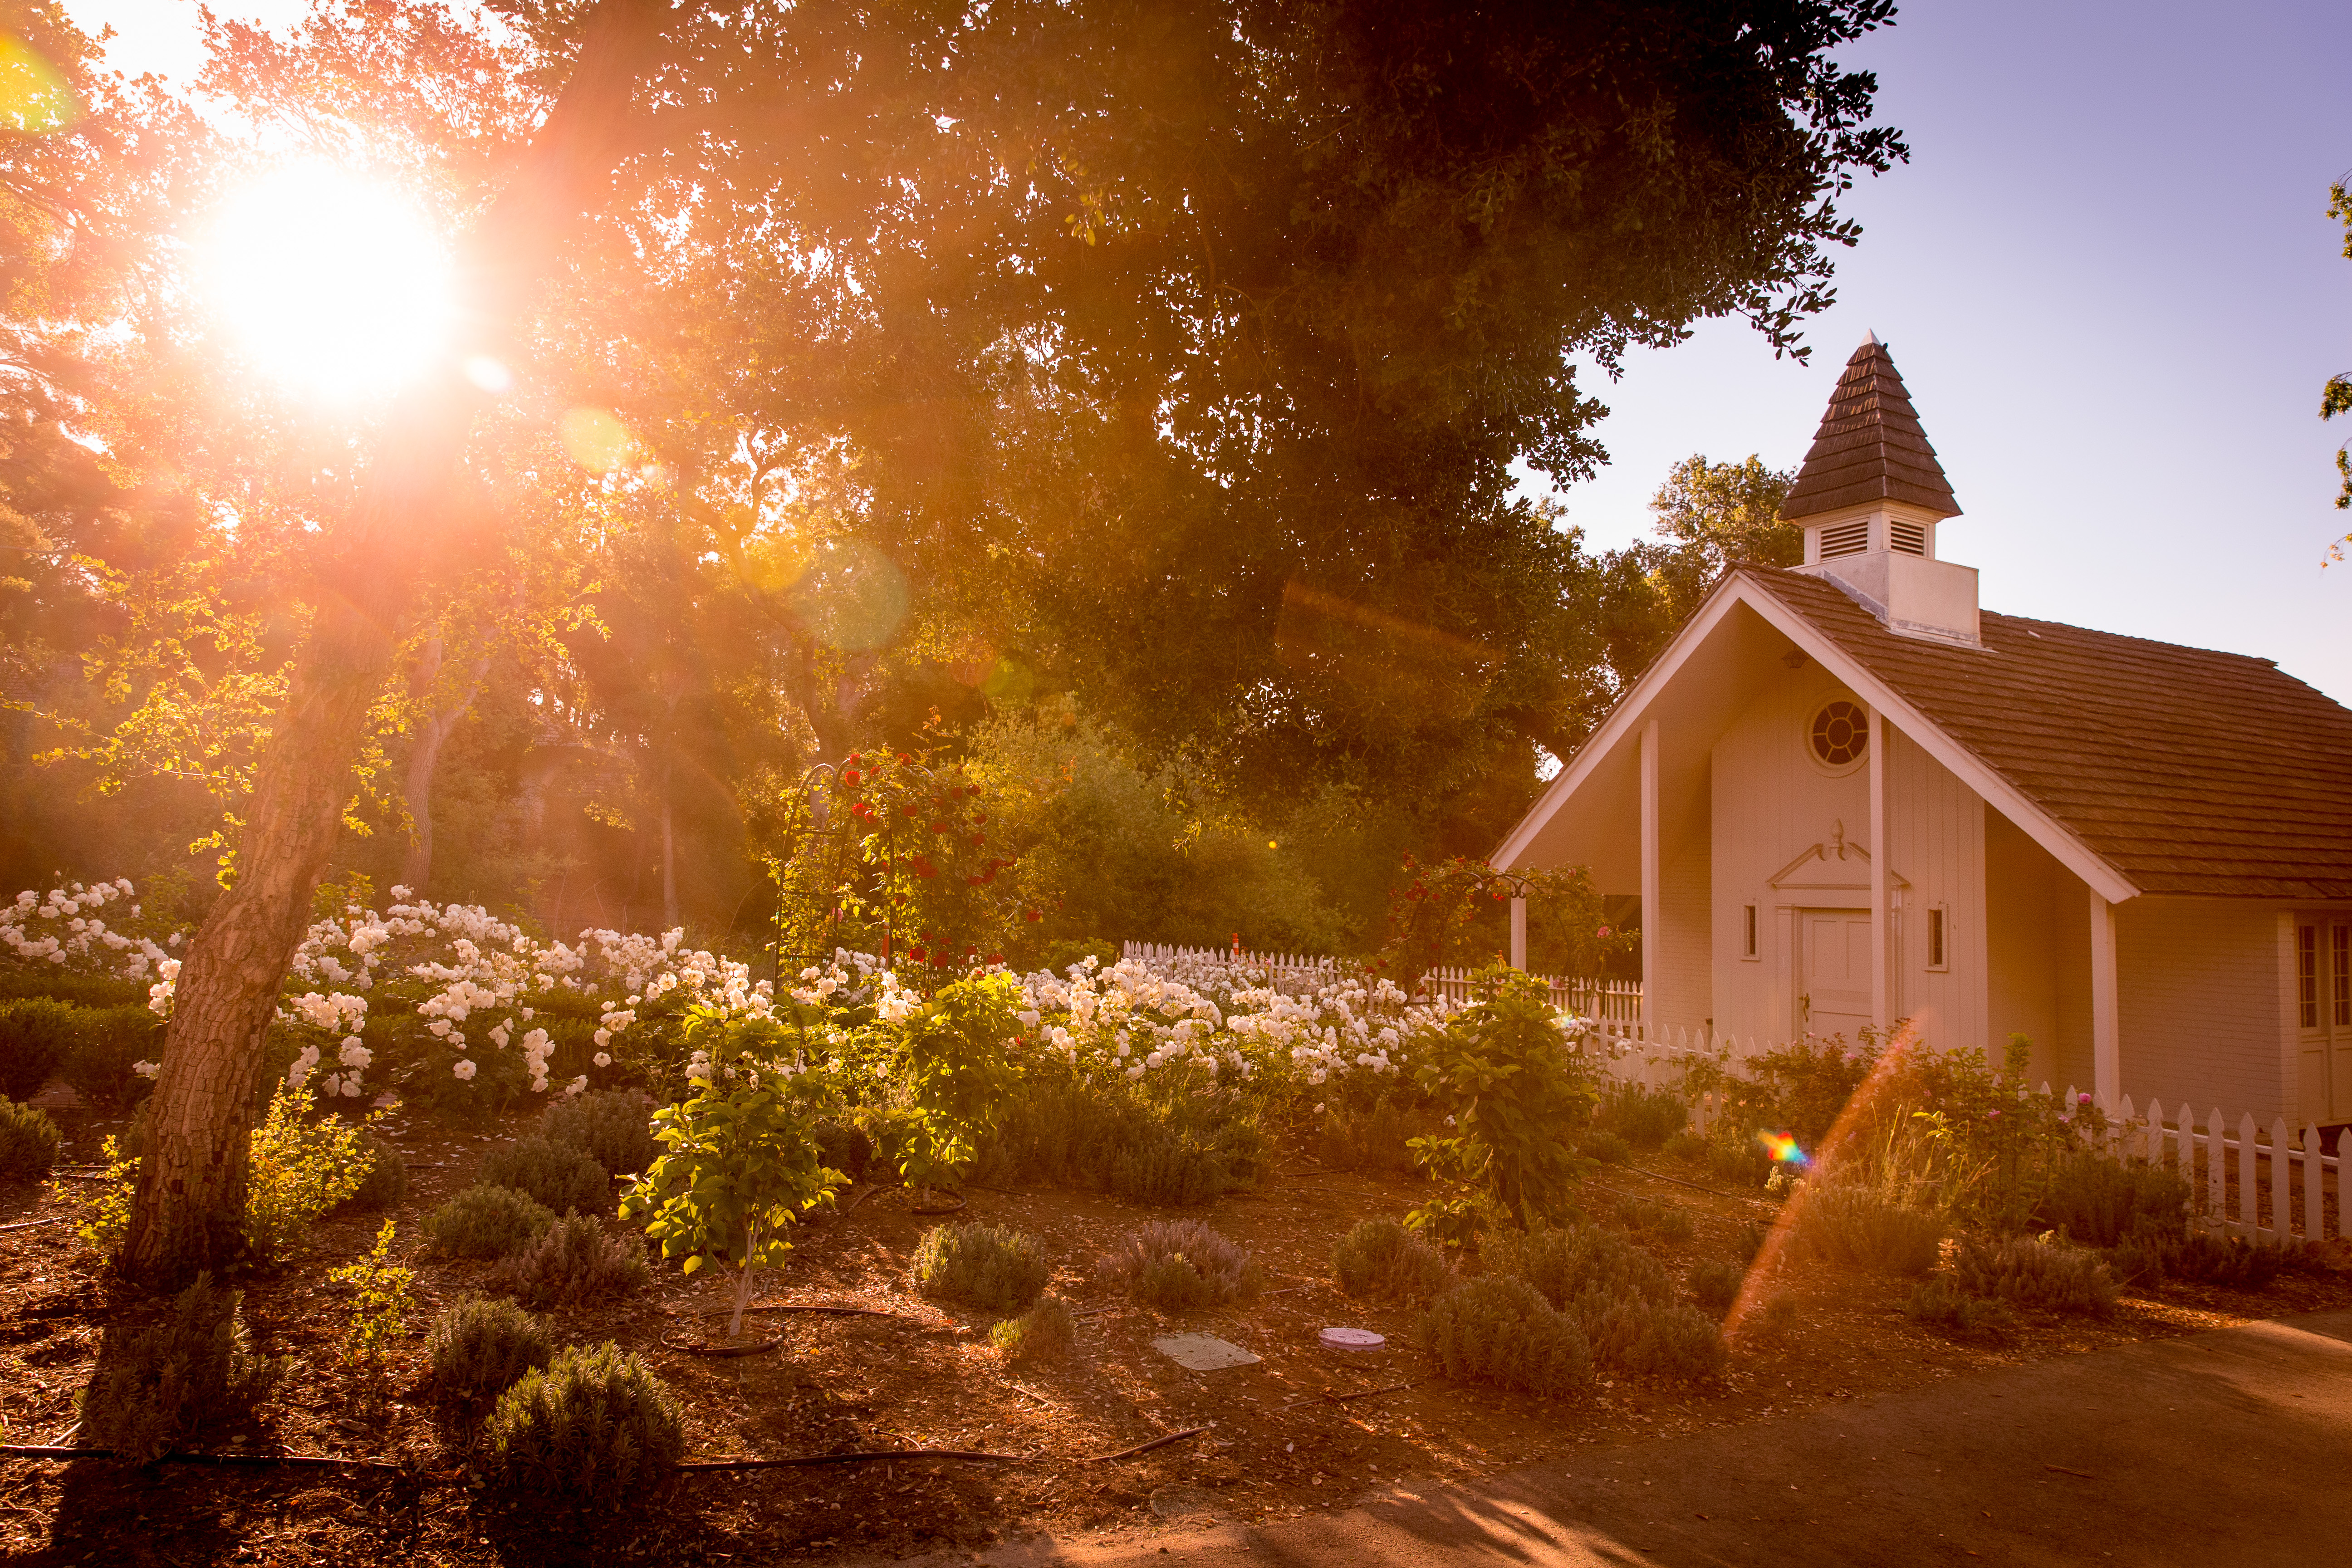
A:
1834	865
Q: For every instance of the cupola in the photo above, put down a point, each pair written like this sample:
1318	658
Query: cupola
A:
1870	495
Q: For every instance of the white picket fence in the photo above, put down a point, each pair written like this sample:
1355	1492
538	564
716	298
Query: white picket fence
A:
2291	1169
1607	1001
1281	966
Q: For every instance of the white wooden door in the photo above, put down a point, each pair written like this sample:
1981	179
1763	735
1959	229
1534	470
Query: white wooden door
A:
1833	977
2323	1000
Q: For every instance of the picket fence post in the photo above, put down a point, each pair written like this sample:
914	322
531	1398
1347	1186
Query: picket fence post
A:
2314	1181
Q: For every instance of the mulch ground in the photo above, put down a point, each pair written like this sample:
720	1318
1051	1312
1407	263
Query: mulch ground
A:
1282	1436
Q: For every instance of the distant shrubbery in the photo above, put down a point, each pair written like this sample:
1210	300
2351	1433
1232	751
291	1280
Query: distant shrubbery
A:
1643	1118
557	1176
486	1222
613	1127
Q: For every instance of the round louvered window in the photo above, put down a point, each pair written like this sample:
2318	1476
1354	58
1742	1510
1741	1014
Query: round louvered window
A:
1839	733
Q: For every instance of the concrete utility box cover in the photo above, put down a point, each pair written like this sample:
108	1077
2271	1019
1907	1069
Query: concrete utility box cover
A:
1351	1339
1202	1352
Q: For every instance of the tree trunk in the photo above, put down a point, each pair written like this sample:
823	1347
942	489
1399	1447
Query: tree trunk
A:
188	1211
424	756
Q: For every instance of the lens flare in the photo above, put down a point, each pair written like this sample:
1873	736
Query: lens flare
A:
1783	1148
597	440
33	96
331	282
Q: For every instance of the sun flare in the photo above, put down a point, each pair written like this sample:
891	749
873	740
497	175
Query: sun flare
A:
331	282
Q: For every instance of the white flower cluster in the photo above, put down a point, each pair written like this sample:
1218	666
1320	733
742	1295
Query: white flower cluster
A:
64	929
1137	1017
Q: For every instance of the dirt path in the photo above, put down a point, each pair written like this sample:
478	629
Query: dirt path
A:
2212	1449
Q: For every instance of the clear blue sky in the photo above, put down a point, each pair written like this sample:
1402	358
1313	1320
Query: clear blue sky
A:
2107	277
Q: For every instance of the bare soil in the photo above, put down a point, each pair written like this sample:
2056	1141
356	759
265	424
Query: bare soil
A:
1283	1436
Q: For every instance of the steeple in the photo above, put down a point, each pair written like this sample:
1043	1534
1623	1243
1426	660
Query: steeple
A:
1870	496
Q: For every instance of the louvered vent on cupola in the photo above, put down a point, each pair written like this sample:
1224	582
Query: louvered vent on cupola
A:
1911	538
1846	538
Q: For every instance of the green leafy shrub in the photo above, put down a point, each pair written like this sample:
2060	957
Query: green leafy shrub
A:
573	1260
193	1368
1512	1089
994	1270
1646	1117
486	1222
957	1075
2030	1272
1937	1304
1381	1260
35	1033
613	1127
28	1142
554	1174
1499	1328
1564	1266
1043	1333
1715	1285
1687	1146
1607	1147
107	1042
72	990
480	1346
384	1180
1664	1221
741	1164
1855	1226
595	1425
2098	1202
382	1296
1181	1264
298	1167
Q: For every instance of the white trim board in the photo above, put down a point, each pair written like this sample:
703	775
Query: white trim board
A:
1739	588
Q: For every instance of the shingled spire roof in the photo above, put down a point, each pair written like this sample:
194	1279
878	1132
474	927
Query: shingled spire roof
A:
1870	447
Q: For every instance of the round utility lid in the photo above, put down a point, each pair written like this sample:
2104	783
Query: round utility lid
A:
1351	1339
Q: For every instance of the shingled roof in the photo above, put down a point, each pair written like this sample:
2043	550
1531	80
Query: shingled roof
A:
2188	770
1870	447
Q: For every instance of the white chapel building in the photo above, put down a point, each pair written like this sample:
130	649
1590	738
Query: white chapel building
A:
1846	795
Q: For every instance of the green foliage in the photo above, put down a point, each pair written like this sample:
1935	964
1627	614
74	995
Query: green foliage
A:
36	1034
1505	1078
480	1346
483	1221
1181	1266
1664	1221
1117	1137
1043	1333
1498	1329
1644	1338
842	1146
299	1167
1716	1285
1600	1144
613	1127
595	1425
958	1073
28	1142
994	1270
154	1394
740	1164
1377	1138
557	1176
573	1261
1435	917
1853	1224
1381	1260
385	1182
107	1042
71	990
1567	1266
2153	1253
1643	1118
1938	1304
384	1294
2041	1272
2098	1201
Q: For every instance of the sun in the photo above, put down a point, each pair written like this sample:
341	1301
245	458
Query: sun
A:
331	282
